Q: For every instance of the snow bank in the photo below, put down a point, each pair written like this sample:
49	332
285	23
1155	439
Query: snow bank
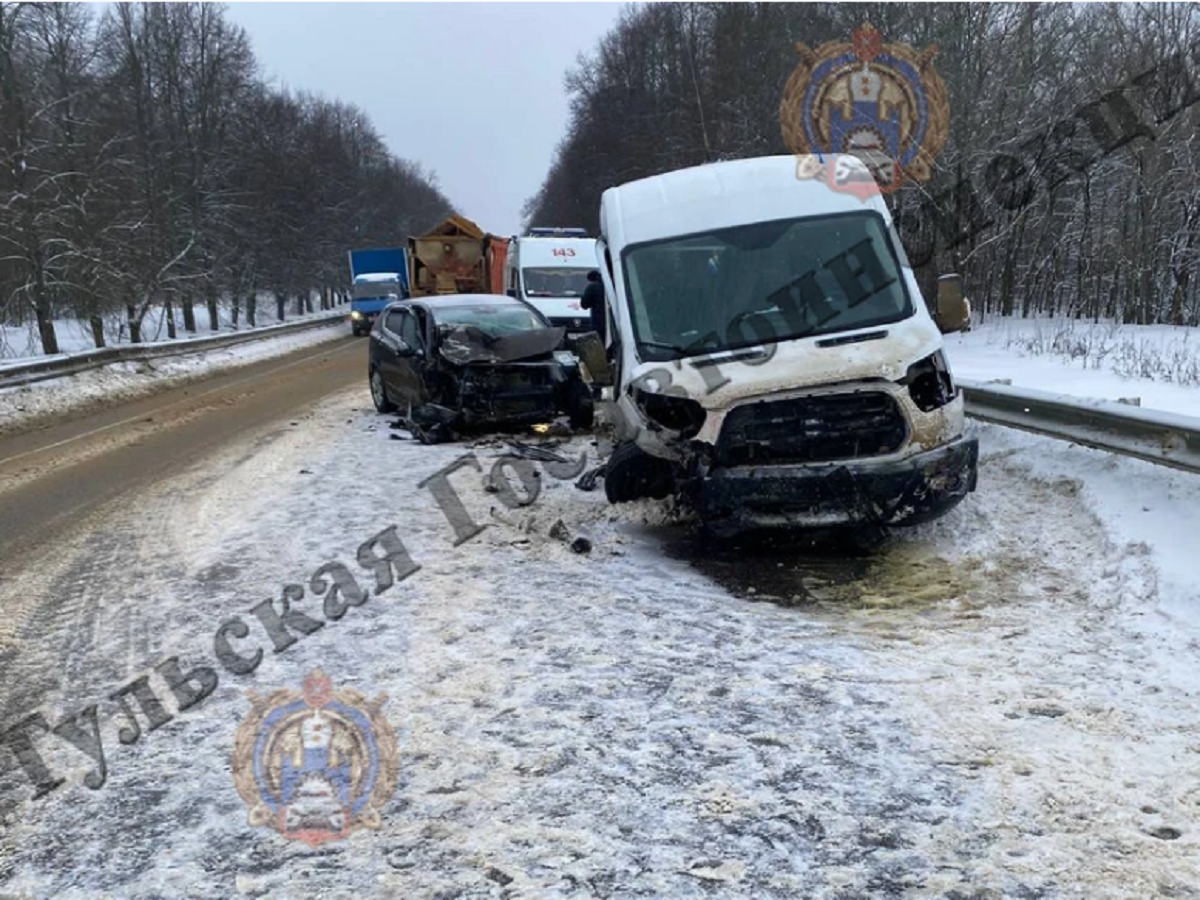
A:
1157	363
19	343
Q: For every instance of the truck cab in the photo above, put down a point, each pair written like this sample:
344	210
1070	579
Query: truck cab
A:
378	276
774	362
548	268
370	294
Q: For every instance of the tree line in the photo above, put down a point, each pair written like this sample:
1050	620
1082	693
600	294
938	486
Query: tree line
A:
1113	235
144	164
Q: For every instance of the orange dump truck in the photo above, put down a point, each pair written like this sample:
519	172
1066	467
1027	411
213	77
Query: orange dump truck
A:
456	257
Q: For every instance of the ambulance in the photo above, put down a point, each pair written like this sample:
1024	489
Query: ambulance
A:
548	268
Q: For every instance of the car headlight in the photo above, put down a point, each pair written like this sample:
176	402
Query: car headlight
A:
356	314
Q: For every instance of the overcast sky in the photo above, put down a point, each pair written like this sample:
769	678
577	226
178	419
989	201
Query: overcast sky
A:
471	91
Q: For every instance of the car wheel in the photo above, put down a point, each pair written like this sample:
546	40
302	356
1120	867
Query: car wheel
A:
632	474
580	407
379	393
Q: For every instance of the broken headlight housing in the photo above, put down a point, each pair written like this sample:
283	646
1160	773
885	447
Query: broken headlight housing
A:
680	414
929	382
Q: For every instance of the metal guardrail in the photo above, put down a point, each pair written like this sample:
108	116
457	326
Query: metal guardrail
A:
1158	437
56	367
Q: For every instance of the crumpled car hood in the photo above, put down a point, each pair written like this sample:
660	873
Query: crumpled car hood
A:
464	344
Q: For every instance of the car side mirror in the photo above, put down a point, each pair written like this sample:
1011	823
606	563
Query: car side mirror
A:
590	350
952	312
512	292
404	349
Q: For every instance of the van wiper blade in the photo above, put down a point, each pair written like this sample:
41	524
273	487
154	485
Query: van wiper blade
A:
671	348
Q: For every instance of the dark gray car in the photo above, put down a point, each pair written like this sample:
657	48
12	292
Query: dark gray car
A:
464	361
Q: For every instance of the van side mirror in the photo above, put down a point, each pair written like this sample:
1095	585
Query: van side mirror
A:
590	350
952	312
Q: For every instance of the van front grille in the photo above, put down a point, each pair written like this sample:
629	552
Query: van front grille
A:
813	429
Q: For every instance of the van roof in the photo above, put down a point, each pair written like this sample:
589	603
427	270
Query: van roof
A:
724	194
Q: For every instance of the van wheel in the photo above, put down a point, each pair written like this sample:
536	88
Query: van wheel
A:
379	393
632	474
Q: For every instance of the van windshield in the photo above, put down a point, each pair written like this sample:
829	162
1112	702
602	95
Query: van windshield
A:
762	282
554	282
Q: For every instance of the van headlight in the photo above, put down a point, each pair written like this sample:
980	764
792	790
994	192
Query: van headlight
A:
680	414
929	382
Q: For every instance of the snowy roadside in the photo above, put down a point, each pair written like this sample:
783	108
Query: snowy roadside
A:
20	344
979	711
1158	364
1068	687
122	381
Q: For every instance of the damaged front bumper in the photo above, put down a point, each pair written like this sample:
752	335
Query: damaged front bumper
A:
893	492
504	395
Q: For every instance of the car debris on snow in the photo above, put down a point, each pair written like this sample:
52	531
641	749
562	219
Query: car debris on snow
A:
577	542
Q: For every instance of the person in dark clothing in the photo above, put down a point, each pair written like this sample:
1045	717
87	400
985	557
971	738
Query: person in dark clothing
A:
593	302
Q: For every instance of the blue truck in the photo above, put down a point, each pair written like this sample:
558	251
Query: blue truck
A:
378	275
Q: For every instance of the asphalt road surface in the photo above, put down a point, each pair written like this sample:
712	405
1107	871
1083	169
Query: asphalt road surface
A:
64	489
58	477
977	711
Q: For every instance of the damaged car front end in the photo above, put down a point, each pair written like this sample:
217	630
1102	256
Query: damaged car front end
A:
466	362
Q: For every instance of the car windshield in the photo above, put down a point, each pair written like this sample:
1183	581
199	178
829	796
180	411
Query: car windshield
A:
496	320
555	282
767	281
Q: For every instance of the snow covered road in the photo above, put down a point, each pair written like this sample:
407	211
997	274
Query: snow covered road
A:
992	706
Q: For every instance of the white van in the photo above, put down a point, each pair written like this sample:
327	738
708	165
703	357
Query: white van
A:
774	362
548	267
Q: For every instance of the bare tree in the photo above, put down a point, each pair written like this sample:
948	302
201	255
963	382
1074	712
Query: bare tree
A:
1103	234
144	166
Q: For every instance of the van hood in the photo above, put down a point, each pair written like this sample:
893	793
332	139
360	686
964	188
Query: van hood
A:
721	380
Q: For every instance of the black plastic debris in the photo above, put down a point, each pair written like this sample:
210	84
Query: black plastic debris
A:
577	542
539	452
590	478
561	467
